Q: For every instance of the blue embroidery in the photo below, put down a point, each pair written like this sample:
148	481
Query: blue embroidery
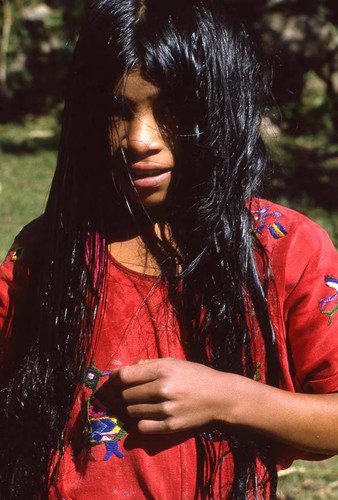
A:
276	229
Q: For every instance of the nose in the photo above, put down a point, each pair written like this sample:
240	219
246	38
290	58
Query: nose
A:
142	136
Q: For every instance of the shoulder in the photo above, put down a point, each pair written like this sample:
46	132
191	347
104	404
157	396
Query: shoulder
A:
21	258
300	252
30	234
286	232
26	243
274	222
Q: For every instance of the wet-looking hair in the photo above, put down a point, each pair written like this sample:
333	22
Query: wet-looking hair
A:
200	56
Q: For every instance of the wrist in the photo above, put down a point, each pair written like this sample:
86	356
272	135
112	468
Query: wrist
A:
235	399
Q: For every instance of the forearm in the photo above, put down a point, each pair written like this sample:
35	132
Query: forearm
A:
305	421
172	395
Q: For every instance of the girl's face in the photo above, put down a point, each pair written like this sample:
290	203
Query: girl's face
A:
136	139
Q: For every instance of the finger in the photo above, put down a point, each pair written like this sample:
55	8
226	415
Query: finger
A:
138	373
156	427
144	361
151	392
148	411
110	395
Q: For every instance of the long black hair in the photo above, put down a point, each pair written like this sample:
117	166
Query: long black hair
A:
201	56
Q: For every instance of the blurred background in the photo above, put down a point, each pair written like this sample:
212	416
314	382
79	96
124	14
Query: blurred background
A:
299	37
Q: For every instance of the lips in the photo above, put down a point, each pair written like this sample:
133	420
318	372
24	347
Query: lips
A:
149	175
140	174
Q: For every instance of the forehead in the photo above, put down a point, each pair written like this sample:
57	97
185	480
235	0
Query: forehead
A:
134	87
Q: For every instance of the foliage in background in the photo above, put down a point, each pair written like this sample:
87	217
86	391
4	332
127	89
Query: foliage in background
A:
42	37
300	38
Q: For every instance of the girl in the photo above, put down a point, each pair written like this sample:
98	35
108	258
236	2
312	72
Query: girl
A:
165	333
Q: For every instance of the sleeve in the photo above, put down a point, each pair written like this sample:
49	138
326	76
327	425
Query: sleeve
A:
14	275
311	309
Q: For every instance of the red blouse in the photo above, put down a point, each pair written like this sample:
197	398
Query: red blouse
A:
113	460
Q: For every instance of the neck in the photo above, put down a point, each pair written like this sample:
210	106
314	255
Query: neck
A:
129	233
125	225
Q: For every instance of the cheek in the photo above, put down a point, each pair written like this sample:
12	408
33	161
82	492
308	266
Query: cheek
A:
116	136
174	151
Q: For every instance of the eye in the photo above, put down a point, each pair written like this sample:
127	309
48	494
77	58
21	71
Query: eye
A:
166	114
119	109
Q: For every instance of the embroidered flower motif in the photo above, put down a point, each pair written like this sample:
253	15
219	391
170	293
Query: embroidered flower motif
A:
275	228
332	282
105	428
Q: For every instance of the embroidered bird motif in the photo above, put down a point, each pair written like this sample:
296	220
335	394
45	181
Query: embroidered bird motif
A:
276	229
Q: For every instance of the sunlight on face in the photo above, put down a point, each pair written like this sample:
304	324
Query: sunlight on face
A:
137	139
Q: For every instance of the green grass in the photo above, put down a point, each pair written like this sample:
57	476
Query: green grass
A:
309	481
27	162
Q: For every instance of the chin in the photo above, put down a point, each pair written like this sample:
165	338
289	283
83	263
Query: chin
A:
152	201
151	198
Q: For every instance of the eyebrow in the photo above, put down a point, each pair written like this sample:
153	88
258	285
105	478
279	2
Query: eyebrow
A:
160	97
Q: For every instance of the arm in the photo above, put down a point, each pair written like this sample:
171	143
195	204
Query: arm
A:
170	395
304	421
